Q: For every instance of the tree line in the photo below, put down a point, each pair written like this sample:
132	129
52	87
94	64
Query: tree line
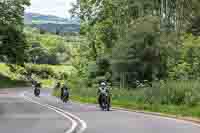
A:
140	40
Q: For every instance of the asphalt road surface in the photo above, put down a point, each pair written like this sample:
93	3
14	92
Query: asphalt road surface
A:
20	116
115	121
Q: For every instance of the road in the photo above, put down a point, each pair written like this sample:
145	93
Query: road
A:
20	116
115	121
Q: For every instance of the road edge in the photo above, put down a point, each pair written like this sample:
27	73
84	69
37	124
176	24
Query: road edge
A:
163	115
194	121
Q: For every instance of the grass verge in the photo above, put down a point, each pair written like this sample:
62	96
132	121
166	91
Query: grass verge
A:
6	82
184	111
179	111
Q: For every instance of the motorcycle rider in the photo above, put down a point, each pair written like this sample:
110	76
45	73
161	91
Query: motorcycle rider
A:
36	87
34	83
103	90
63	89
57	85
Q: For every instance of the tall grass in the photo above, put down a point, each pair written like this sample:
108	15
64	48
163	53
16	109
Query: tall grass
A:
173	97
163	93
173	93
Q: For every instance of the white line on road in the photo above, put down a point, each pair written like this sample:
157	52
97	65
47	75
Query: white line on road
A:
157	116
83	124
68	115
74	124
142	113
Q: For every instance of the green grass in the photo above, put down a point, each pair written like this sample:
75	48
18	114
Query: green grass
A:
4	69
57	68
128	103
159	98
6	82
46	22
63	68
47	83
181	110
8	79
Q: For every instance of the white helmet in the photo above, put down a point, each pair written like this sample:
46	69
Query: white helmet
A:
103	84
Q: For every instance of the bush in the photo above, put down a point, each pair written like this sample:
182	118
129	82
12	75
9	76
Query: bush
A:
56	92
41	71
173	92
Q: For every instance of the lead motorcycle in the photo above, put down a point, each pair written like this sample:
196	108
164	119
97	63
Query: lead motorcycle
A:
105	102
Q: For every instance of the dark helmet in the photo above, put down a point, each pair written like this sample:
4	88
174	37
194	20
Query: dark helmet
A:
58	84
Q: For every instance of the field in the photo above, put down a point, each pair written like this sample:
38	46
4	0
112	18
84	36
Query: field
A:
10	79
46	22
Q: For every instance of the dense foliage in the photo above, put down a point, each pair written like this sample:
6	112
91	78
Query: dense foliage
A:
47	48
141	40
13	44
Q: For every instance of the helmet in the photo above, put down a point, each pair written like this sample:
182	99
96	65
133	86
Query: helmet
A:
103	84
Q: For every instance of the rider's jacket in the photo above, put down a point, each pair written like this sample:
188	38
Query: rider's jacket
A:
103	90
38	85
64	89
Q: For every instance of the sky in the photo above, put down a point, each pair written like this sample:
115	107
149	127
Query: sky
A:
58	8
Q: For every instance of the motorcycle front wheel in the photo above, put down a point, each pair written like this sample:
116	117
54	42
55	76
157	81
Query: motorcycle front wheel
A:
37	92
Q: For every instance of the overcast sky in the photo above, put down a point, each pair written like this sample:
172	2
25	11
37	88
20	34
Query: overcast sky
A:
51	7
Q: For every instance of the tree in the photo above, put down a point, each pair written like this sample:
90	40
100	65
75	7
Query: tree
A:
13	43
142	39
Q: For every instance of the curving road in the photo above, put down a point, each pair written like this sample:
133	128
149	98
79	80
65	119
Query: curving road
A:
20	116
115	121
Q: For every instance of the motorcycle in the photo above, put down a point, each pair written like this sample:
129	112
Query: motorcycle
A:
65	97
105	102
37	92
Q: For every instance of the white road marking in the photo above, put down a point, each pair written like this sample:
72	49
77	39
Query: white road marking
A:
160	117
63	112
74	124
143	113
83	124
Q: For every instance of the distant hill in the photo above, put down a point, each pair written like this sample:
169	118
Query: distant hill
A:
52	23
61	28
35	18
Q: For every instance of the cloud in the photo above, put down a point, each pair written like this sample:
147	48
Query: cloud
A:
51	7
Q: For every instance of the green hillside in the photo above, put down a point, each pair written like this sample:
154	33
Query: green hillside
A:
51	23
